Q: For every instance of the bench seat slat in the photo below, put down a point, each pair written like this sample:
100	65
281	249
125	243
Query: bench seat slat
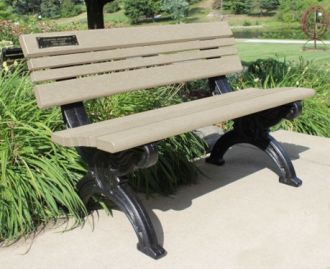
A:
139	119
71	91
103	39
107	55
91	69
149	130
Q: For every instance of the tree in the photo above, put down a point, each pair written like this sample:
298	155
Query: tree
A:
261	6
50	8
135	9
177	9
25	6
269	5
292	10
237	6
4	12
67	8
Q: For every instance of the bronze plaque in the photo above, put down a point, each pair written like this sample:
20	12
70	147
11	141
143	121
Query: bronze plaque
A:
57	41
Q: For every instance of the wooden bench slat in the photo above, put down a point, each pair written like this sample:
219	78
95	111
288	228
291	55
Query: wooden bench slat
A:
86	133
71	91
125	37
221	108
107	55
91	69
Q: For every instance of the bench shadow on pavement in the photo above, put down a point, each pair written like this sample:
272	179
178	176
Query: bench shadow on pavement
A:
241	161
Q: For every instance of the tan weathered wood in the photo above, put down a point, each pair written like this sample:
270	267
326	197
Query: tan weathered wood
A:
132	63
87	132
148	130
70	91
104	39
114	54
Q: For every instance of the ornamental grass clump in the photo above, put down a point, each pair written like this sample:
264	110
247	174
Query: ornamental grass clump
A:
271	73
38	178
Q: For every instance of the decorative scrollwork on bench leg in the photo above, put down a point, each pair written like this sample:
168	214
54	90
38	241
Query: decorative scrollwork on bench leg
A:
254	130
108	177
87	187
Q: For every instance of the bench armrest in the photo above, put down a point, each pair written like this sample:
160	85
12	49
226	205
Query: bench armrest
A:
11	54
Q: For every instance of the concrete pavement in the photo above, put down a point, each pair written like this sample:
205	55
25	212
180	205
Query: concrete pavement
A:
238	216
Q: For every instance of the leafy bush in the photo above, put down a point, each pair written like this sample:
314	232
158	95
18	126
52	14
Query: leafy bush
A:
135	9
293	10
112	7
11	31
177	9
4	11
37	177
272	73
50	9
70	9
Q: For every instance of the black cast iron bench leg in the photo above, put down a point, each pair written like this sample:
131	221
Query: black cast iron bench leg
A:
254	129
107	177
268	144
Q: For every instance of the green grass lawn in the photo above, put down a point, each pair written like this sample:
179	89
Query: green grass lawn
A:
291	52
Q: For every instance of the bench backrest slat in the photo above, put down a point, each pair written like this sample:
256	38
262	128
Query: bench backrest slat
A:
71	91
116	54
110	61
104	39
97	68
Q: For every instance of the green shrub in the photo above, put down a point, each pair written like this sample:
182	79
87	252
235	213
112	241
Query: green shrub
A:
272	73
293	10
37	177
70	9
50	9
112	7
177	9
135	9
5	13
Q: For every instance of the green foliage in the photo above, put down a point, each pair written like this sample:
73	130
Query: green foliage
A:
261	6
293	10
135	9
50	8
69	9
36	176
4	11
24	7
177	9
237	6
251	7
112	7
272	73
269	5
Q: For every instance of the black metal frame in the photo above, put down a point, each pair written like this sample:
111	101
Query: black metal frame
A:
254	129
95	15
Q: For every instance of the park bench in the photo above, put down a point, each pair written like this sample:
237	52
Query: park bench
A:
69	68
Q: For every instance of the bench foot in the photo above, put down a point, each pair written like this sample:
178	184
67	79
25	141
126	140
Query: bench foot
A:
123	196
254	130
155	252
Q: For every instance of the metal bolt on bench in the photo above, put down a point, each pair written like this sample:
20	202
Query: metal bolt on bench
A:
72	67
